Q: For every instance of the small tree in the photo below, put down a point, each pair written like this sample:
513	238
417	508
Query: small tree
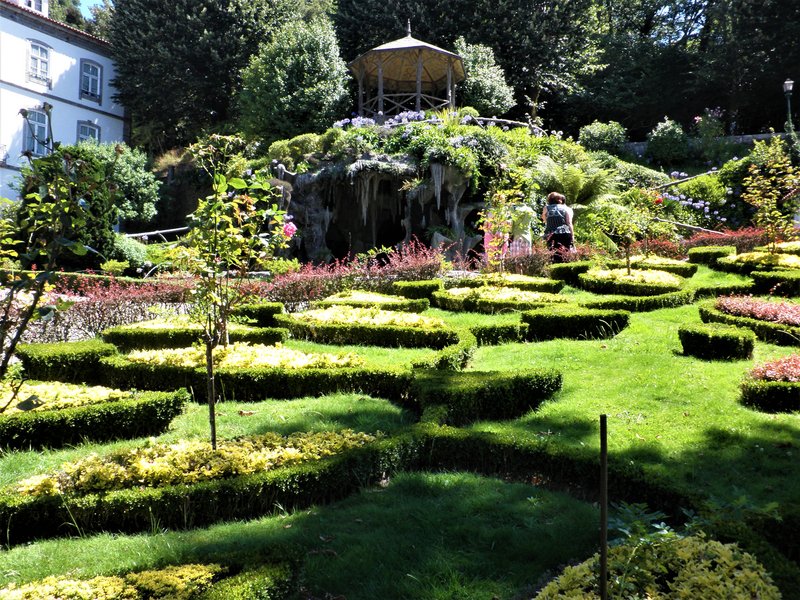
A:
772	189
296	83
237	225
38	232
485	88
621	225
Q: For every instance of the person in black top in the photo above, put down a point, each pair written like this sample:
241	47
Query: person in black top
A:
558	223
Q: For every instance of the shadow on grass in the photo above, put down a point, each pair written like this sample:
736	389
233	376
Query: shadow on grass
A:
425	536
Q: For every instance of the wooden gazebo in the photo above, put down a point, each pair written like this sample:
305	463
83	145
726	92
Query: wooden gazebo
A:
406	74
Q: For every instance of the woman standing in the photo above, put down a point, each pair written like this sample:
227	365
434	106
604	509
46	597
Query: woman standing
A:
558	223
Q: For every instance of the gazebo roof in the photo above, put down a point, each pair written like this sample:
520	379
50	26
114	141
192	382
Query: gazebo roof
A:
400	59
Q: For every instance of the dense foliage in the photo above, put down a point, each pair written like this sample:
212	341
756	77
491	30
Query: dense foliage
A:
294	84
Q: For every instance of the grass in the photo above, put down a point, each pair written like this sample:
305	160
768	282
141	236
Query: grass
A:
677	417
432	536
455	535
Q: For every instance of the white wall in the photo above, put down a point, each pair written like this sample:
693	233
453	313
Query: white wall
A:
17	91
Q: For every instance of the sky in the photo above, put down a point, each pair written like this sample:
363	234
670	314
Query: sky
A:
86	5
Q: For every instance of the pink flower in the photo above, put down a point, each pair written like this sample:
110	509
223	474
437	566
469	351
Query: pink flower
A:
289	229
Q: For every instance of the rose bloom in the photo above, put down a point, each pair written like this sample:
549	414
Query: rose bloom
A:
289	229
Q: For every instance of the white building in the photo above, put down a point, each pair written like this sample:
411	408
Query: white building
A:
44	64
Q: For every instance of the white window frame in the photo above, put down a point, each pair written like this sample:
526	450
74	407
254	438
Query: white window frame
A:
39	62
37	5
88	125
35	142
88	94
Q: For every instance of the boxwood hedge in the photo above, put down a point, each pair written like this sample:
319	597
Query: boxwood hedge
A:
144	414
642	303
717	341
71	362
401	304
778	282
569	272
133	337
473	395
708	255
574	322
369	335
417	289
262	313
771	396
601	285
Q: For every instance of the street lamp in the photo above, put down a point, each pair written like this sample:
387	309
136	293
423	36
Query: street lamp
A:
788	85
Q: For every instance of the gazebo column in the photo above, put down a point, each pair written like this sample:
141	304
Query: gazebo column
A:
450	97
419	81
380	90
361	91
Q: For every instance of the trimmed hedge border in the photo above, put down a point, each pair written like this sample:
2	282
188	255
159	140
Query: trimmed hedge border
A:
129	337
708	255
525	283
728	264
146	414
369	335
627	288
569	272
732	289
478	395
642	303
494	335
686	270
716	341
574	323
445	301
451	358
766	331
771	396
263	313
401	304
70	362
778	282
254	385
416	290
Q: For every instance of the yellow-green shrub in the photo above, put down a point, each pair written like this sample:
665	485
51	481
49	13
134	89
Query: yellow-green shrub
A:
691	567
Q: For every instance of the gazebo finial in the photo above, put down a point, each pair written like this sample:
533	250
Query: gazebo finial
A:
408	28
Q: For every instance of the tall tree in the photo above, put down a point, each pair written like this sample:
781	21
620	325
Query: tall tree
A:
296	82
485	88
178	62
100	23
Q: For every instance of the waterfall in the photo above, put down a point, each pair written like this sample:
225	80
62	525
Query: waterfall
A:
437	174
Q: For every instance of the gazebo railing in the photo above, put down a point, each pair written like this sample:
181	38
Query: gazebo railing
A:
396	103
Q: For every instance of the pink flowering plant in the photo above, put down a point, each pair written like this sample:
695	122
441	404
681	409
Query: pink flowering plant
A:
785	313
781	369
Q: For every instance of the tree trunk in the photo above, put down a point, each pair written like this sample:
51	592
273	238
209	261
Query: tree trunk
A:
212	415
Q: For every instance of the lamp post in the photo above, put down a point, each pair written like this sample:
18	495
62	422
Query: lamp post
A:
788	85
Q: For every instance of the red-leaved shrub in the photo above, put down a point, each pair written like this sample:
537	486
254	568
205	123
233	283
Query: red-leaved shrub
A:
86	307
781	369
786	313
660	247
744	239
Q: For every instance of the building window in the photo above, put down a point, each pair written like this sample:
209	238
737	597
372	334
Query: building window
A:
91	80
36	133
39	65
34	5
88	131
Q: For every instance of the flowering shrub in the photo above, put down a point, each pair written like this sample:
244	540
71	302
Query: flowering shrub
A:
781	369
189	461
246	356
667	143
786	313
54	395
368	316
660	247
